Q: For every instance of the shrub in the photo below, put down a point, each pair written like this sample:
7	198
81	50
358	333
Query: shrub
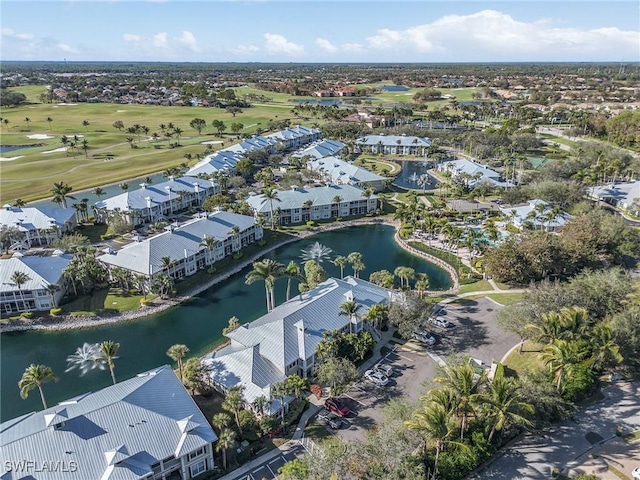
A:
55	311
238	255
262	243
211	270
143	302
311	223
26	314
296	408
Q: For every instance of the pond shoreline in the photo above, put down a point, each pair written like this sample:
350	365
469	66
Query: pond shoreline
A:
68	322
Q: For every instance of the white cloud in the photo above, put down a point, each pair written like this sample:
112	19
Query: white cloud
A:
7	32
160	40
188	40
326	45
493	35
130	37
278	44
63	47
245	49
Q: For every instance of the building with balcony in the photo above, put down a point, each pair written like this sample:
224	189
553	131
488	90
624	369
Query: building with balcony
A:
189	247
392	145
44	286
340	172
39	226
315	203
144	428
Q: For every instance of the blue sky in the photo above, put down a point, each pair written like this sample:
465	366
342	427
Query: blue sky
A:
327	31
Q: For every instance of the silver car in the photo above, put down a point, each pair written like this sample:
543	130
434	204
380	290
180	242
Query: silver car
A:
383	368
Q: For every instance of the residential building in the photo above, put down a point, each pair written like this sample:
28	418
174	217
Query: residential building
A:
220	161
185	245
321	148
147	428
151	203
39	225
536	214
341	172
284	341
316	203
392	145
43	289
295	137
472	173
620	195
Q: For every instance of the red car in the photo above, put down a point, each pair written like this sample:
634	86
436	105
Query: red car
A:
336	406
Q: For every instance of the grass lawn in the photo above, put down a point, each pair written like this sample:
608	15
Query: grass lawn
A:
210	405
475	287
632	437
506	298
316	431
93	232
527	361
504	286
377	163
110	299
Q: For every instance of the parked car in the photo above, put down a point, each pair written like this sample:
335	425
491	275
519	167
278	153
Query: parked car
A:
336	406
329	418
384	368
441	322
424	337
377	378
636	473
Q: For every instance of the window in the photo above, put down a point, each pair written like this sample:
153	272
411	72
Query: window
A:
197	453
198	468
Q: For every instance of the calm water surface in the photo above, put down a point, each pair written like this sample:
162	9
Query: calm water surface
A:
197	323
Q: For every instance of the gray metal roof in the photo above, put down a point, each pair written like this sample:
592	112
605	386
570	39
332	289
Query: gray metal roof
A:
118	432
42	271
158	193
222	160
296	198
322	148
394	140
146	257
289	332
622	192
35	218
522	213
342	172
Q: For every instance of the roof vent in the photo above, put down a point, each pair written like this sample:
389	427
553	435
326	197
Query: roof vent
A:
56	418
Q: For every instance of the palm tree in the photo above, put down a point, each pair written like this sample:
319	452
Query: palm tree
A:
124	186
268	271
377	315
221	421
99	192
18	279
177	353
209	243
292	271
28	120
49	120
108	351
234	402
356	261
226	440
281	390
85	147
504	403
52	288
405	274
604	349
33	377
316	252
86	358
341	262
438	428
562	357
422	284
270	194
61	192
464	385
350	309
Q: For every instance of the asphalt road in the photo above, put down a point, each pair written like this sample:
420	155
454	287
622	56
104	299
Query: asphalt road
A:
269	469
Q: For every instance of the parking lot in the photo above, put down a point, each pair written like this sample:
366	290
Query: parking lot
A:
269	469
475	333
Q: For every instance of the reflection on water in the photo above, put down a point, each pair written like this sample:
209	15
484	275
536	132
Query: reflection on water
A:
414	175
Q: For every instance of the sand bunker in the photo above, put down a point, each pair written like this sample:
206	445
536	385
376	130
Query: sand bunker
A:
61	149
211	142
10	159
40	136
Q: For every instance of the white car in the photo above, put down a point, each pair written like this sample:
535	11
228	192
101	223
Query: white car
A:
424	337
383	368
636	473
441	322
377	378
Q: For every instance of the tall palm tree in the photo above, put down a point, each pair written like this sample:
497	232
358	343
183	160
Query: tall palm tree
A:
35	376
233	403
292	272
604	349
504	403
271	194
209	243
268	271
99	192
422	284
438	427
350	309
18	279
341	262
465	385
377	314
226	440
356	260
49	120
52	288
562	357
108	351
61	192
177	353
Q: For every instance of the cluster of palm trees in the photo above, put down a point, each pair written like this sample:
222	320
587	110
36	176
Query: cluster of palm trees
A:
86	358
268	271
466	397
575	344
84	271
61	191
